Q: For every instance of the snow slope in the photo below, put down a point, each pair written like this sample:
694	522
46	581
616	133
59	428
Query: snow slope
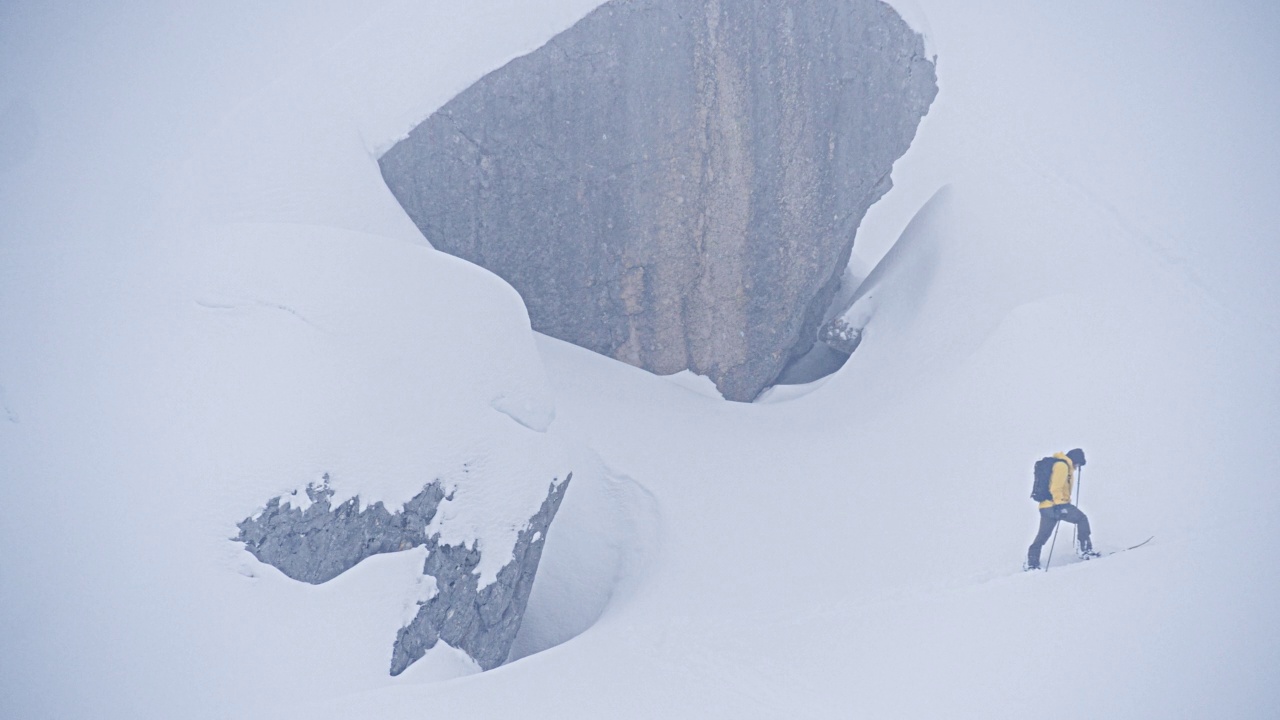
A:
207	297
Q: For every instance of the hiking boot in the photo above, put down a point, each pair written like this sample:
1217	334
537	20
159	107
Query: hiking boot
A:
1086	551
1028	567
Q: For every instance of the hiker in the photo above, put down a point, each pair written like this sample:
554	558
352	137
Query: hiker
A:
1058	508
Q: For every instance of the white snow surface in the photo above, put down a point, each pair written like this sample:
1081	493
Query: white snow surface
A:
209	298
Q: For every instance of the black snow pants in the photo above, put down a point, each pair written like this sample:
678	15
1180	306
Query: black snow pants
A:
1049	518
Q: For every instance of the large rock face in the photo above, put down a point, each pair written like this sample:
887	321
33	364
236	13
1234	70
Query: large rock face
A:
676	183
317	543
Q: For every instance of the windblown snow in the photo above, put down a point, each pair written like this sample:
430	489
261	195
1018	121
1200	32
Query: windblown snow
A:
209	298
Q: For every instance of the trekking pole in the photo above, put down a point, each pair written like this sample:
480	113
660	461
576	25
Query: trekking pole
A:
1078	490
1055	542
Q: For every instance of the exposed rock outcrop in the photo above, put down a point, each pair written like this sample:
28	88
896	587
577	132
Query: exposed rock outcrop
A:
676	183
481	621
320	542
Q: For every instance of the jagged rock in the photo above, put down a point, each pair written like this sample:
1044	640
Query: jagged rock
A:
484	621
676	183
320	542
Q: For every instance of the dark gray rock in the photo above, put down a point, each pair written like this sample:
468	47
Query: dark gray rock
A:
840	336
483	622
321	542
676	183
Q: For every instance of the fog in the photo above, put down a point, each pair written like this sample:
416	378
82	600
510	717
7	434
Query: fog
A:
179	187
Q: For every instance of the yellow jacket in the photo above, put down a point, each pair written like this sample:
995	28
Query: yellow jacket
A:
1061	481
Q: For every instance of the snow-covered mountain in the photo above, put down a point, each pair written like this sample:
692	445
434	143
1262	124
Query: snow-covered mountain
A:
209	298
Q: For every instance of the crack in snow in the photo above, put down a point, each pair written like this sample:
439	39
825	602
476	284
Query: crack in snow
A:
222	305
9	413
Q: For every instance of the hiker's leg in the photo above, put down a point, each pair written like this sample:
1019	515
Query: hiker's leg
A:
1072	514
1047	523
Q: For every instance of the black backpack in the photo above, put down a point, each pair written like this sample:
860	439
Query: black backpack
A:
1043	473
